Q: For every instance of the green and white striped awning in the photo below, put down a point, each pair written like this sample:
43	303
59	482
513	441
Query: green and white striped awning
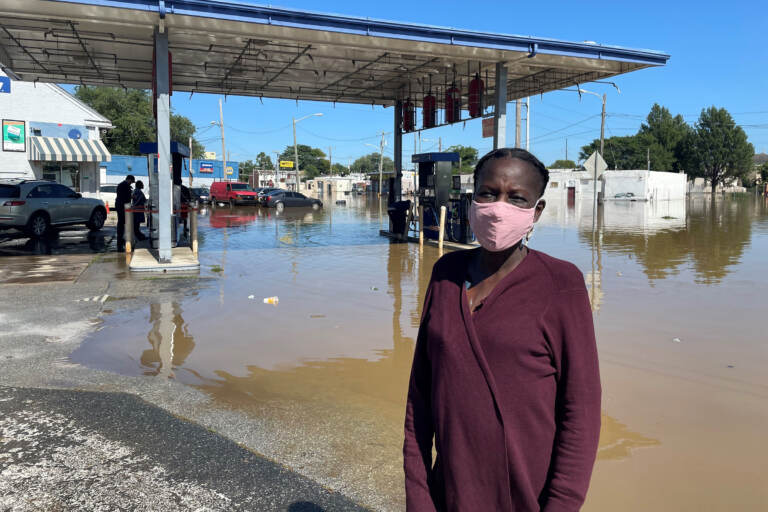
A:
59	149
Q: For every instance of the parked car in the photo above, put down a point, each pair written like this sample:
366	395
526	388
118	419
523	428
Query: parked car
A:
233	193
200	194
108	194
283	198
34	206
266	190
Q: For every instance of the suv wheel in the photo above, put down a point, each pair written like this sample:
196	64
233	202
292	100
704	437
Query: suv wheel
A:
97	219
38	225
279	206
315	206
231	203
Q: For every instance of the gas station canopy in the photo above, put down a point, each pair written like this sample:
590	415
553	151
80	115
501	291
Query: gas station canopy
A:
249	50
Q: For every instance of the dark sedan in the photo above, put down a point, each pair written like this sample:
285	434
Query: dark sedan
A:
200	194
283	198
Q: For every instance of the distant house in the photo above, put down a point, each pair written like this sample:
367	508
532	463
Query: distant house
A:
50	134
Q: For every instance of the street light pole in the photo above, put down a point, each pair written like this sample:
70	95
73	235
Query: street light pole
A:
223	145
295	154
276	166
296	148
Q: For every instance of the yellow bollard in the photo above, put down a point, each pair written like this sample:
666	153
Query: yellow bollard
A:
193	229
441	235
128	232
421	226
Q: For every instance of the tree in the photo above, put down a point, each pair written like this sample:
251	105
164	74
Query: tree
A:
339	170
627	152
246	170
667	133
263	161
130	111
370	163
467	158
763	169
181	130
312	162
717	149
661	139
563	164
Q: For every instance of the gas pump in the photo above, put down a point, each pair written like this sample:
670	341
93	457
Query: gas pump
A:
457	227
178	153
434	183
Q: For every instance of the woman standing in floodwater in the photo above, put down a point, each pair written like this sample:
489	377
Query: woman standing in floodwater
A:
505	372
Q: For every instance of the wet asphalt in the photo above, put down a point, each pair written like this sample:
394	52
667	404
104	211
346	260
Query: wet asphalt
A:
68	450
74	438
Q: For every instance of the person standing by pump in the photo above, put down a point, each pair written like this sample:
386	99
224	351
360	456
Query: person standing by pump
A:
123	196
139	202
505	382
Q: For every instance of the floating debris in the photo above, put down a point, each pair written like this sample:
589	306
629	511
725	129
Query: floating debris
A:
271	300
676	340
316	316
98	298
251	297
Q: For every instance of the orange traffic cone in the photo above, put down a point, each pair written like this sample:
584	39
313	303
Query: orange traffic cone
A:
107	205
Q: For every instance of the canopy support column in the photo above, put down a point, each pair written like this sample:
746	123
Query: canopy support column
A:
398	188
164	201
500	112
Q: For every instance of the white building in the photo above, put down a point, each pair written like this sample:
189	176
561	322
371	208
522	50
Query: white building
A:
633	185
644	185
336	184
50	134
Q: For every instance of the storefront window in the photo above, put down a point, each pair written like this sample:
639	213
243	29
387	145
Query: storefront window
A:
51	171
67	174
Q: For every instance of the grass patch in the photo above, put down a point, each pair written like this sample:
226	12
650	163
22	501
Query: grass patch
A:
216	268
667	217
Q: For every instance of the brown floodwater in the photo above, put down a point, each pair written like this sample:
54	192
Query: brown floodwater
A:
679	297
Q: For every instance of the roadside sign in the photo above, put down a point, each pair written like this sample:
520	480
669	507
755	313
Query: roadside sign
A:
488	127
230	170
595	160
14	135
286	163
5	85
206	167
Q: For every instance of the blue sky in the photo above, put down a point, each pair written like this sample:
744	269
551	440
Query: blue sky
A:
718	57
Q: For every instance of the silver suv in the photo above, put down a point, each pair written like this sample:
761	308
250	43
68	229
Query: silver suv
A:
34	206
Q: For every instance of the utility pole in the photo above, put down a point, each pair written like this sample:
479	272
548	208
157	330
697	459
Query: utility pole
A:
381	167
566	149
440	144
518	111
648	156
190	162
602	126
528	123
330	160
223	144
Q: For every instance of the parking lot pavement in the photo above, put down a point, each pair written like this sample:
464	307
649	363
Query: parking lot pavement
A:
75	450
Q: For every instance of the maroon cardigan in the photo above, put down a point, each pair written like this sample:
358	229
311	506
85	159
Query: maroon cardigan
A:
510	393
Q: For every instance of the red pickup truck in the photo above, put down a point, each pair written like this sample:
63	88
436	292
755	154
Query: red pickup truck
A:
233	193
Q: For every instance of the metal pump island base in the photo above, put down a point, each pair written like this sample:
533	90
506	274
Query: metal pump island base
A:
182	259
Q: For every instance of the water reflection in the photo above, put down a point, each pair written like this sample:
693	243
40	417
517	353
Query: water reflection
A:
169	338
664	236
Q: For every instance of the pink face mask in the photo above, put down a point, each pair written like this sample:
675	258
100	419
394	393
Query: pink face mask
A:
500	225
